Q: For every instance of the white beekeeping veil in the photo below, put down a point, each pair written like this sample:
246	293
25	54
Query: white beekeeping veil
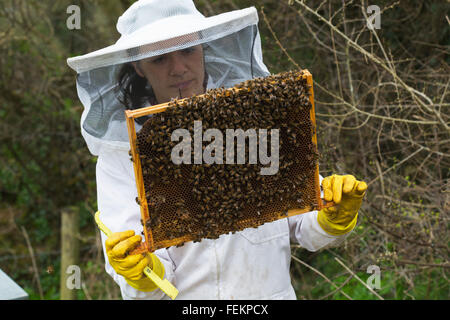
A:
232	53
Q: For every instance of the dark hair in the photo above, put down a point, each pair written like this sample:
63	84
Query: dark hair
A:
134	89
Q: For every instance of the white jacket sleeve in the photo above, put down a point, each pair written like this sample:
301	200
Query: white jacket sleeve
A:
116	194
306	231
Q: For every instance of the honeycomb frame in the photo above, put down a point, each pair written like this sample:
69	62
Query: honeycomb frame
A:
151	244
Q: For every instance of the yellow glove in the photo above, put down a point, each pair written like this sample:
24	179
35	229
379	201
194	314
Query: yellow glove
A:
131	266
347	193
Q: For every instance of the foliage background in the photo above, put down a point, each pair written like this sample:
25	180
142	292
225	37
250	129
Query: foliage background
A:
382	108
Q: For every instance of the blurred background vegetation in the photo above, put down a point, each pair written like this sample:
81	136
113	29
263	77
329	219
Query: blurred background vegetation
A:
382	110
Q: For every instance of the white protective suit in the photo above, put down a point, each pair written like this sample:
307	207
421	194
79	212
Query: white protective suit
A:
251	264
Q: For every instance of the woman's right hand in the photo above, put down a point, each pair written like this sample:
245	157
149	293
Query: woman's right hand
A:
131	267
118	245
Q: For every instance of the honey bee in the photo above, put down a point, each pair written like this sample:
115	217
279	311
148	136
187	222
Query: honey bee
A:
131	155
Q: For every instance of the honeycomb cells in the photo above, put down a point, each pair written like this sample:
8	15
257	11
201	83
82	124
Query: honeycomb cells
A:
190	202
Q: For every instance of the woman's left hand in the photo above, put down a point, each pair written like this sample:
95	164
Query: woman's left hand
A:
347	194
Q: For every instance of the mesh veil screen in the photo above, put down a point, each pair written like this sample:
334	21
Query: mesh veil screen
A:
189	202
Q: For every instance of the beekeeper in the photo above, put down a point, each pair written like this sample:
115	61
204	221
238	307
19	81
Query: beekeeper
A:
168	49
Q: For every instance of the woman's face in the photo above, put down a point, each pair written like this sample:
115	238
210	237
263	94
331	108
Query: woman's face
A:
178	74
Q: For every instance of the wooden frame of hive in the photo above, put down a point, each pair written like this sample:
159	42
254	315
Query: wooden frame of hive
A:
131	115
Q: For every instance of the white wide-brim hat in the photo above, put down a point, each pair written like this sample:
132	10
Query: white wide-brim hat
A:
231	50
151	27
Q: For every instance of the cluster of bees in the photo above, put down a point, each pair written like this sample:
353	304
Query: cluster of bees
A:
195	201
